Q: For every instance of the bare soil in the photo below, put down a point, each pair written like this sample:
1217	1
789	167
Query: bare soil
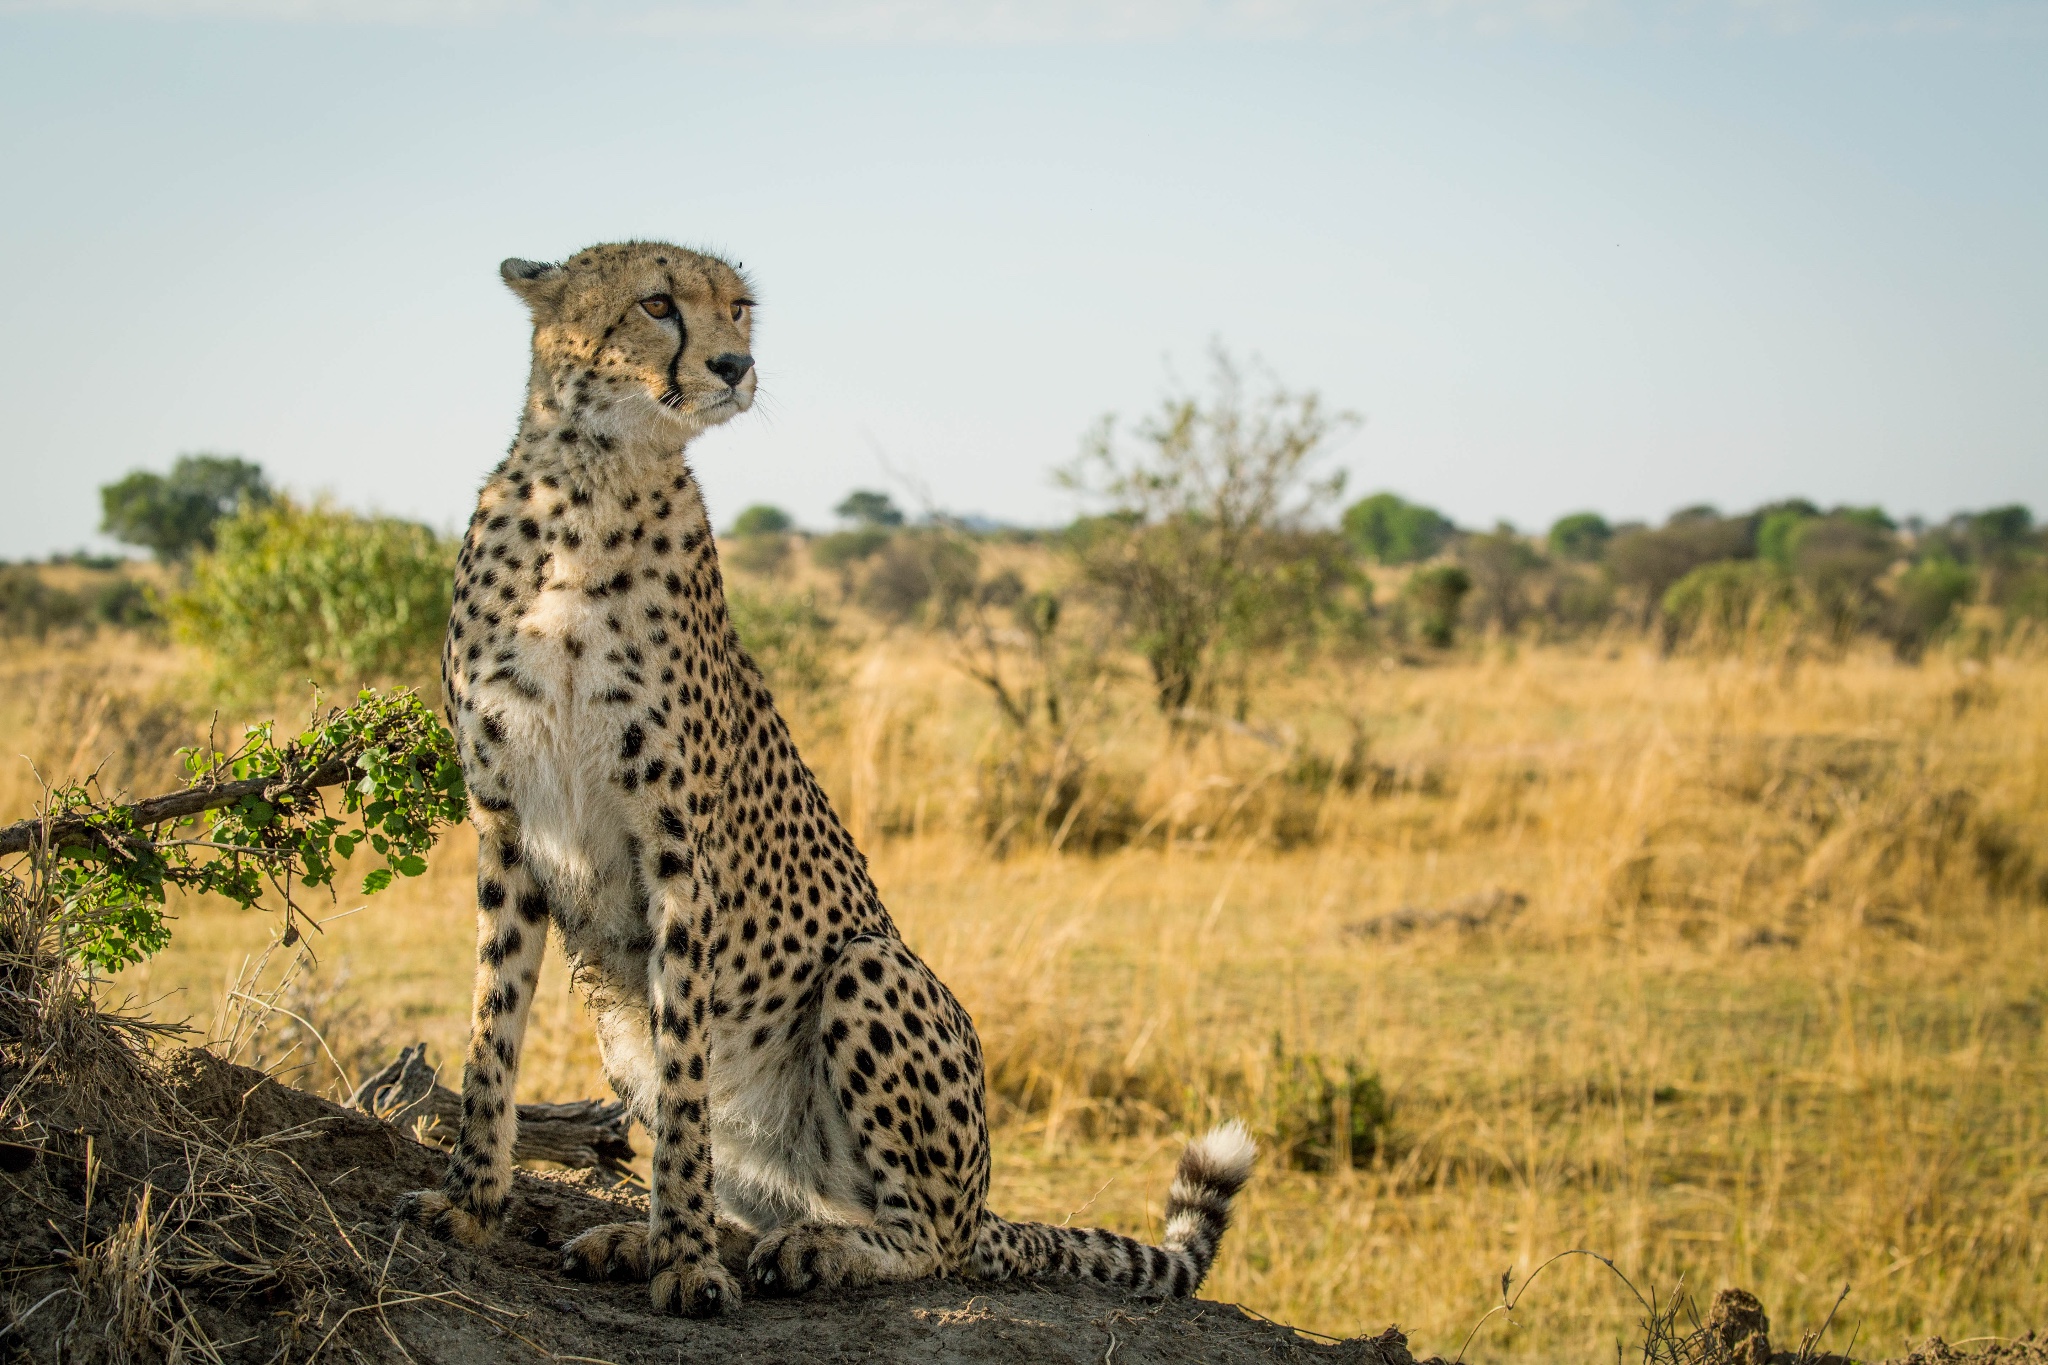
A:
461	1307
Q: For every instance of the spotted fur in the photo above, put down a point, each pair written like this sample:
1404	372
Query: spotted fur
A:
814	1091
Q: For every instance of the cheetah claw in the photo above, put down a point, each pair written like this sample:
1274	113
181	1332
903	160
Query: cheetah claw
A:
699	1291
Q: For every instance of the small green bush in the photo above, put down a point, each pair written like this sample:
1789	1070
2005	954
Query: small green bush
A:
1324	1114
1924	602
1726	604
1439	591
293	592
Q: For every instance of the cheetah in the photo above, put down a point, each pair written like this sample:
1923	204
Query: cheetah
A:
815	1093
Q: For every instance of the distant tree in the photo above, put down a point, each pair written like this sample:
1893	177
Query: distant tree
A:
1876	518
1580	538
929	570
865	507
1839	558
1649	562
761	520
2000	529
174	515
1775	528
1499	564
1394	531
1200	510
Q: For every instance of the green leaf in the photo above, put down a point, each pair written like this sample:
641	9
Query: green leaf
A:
376	881
412	864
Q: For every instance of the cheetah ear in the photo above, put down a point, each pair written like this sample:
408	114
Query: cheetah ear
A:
538	282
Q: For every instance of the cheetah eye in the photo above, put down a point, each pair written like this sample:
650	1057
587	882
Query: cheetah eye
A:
739	310
659	306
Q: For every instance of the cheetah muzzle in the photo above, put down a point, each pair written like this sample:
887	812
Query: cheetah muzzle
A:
815	1093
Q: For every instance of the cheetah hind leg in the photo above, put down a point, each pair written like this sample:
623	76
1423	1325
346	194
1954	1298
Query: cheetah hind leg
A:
816	1255
618	1251
886	1078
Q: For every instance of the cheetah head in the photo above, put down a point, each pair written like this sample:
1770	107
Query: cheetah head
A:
639	338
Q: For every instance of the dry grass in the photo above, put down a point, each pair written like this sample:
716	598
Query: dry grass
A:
1773	1015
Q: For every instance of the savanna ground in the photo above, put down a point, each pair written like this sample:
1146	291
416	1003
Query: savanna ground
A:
1729	969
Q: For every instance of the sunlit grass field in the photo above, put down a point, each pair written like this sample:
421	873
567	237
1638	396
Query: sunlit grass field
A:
1749	986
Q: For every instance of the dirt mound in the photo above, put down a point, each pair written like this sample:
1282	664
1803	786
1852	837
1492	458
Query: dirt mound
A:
197	1210
237	1219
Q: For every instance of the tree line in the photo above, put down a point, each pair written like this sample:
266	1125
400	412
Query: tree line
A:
1216	534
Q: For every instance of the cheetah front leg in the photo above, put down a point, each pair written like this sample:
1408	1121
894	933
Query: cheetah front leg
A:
686	1274
512	919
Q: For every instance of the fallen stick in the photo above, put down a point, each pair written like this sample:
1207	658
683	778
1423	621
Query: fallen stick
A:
580	1134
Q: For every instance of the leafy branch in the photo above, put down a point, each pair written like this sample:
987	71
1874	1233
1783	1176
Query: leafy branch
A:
110	866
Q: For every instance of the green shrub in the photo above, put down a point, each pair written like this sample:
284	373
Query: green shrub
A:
1324	1115
1724	605
787	636
293	592
1924	601
1439	591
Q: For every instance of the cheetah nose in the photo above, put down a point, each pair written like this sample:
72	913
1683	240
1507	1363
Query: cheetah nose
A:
732	367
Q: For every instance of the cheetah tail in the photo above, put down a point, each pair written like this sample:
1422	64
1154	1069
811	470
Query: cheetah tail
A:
1212	1170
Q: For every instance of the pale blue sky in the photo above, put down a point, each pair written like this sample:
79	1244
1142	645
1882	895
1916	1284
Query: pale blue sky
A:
1558	253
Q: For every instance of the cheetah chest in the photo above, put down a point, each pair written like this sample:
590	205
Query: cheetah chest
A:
556	703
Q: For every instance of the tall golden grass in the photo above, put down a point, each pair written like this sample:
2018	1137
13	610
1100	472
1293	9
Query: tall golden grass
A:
1771	1013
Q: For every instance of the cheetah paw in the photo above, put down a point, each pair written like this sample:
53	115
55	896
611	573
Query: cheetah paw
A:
796	1259
441	1217
609	1251
703	1290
